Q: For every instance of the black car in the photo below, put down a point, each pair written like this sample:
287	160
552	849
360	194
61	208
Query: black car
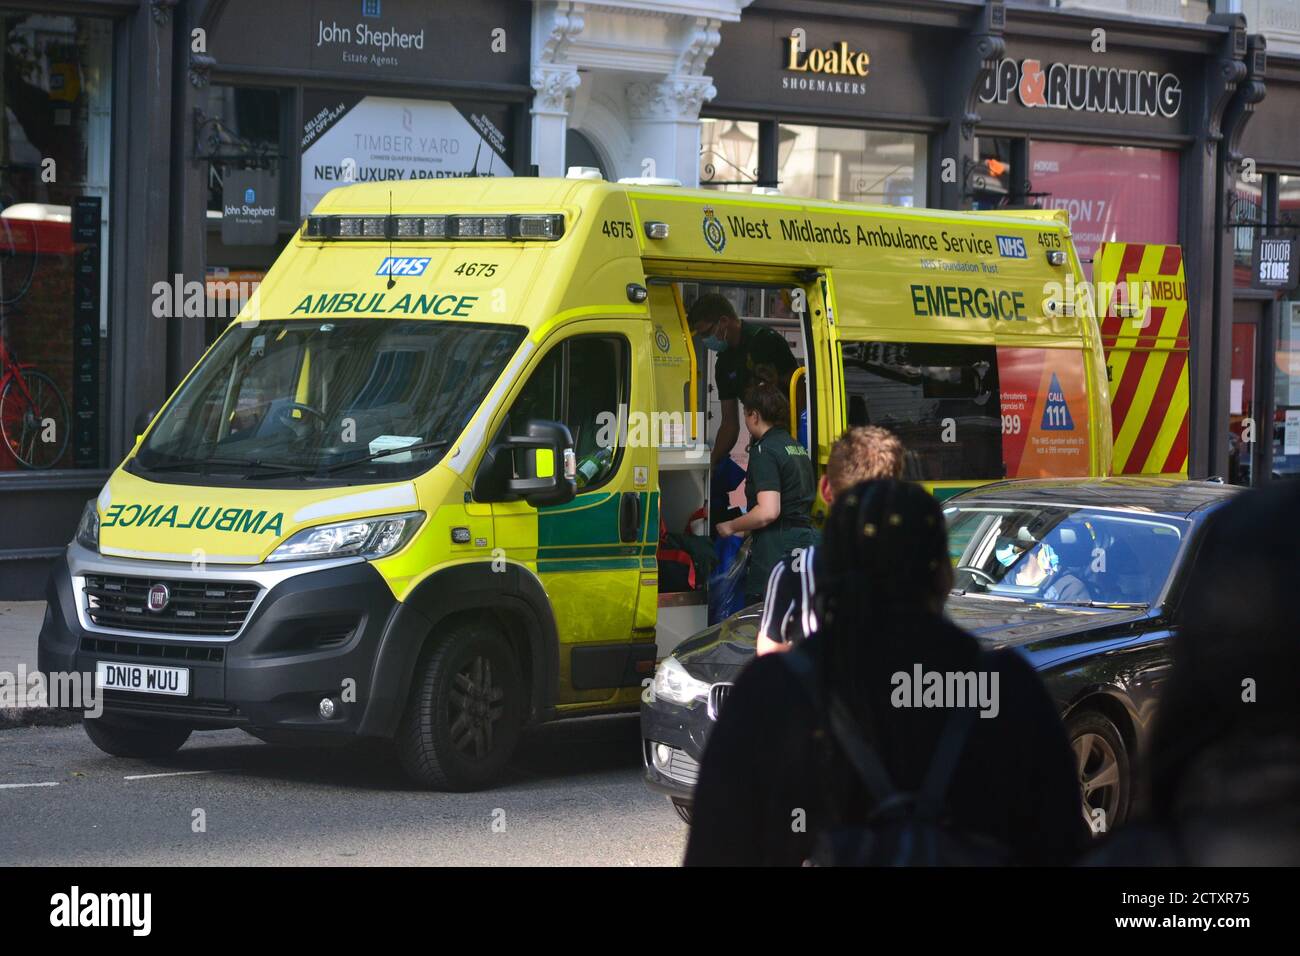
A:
1082	576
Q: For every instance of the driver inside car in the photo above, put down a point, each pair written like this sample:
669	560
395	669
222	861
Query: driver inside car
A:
1042	569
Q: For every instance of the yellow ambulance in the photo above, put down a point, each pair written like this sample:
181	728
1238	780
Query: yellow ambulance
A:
416	490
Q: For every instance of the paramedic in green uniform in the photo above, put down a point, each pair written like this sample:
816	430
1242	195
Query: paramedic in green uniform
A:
741	348
779	489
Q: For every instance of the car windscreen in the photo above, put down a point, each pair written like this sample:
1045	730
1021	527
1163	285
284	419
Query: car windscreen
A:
1063	554
353	400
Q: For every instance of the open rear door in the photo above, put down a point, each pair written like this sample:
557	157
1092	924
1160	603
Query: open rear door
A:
1141	296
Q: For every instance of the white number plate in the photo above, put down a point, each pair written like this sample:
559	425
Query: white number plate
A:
143	678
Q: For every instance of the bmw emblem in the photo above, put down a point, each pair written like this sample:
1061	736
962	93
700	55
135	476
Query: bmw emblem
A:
714	235
158	597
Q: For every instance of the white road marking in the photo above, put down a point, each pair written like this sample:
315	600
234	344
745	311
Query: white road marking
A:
16	786
175	773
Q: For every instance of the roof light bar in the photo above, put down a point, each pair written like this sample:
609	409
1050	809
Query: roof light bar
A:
527	226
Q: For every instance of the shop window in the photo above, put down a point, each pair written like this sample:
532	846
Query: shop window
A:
1288	200
54	192
242	131
989	181
852	165
583	382
1286	393
729	155
1246	215
1112	193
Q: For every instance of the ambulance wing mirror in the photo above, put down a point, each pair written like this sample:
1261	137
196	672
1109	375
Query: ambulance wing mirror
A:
142	422
538	467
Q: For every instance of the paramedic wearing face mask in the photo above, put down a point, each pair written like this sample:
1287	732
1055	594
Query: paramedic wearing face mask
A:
740	347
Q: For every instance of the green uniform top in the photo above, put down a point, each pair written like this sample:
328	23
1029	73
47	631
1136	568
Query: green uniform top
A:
759	345
777	462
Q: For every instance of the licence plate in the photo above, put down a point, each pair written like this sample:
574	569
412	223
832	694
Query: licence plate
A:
143	678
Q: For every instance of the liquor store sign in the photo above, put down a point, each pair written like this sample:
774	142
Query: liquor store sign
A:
1275	263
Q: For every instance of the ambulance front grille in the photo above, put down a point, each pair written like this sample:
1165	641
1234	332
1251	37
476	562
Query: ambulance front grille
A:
215	608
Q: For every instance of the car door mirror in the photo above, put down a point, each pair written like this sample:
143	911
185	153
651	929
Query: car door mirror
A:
142	422
538	467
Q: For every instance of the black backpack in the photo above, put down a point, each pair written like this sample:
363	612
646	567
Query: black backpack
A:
904	829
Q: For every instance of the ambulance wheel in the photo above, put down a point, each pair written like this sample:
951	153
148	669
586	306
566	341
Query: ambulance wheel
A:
123	738
465	712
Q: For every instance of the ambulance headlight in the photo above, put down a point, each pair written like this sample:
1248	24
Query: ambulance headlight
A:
88	527
368	538
674	684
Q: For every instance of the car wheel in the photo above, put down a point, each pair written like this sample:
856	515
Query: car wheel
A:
683	808
465	713
1103	766
136	739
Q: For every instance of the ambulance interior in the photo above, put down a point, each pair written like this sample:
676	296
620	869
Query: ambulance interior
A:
694	497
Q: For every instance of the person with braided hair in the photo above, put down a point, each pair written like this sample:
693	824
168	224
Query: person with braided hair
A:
773	778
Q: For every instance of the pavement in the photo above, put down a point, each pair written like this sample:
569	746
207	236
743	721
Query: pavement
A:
20	624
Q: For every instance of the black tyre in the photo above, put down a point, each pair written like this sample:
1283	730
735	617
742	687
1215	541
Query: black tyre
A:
465	713
136	738
1102	760
683	808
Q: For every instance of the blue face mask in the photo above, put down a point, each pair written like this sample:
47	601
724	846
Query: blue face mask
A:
713	343
1007	555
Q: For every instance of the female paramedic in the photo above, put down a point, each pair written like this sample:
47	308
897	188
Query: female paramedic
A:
779	489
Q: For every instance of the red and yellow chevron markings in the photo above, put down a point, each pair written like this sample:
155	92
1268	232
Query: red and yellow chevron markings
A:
1143	312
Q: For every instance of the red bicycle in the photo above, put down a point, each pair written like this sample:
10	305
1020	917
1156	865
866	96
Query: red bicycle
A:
34	420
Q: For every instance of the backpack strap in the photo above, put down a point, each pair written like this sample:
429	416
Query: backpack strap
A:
845	730
947	754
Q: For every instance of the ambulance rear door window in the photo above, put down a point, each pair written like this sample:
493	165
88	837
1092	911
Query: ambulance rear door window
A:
941	400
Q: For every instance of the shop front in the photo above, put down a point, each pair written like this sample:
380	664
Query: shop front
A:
73	223
298	99
156	156
1116	122
1263	225
854	105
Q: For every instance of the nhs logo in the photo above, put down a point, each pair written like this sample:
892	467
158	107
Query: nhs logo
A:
403	266
1012	247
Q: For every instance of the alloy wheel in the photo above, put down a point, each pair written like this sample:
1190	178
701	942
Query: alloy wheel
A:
1099	776
477	704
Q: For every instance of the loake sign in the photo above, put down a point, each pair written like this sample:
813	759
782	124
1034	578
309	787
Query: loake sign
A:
839	60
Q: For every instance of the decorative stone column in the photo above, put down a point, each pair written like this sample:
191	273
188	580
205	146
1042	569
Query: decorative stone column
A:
630	75
553	84
665	126
555	26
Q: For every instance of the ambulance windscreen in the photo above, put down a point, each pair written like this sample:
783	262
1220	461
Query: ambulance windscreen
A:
353	400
